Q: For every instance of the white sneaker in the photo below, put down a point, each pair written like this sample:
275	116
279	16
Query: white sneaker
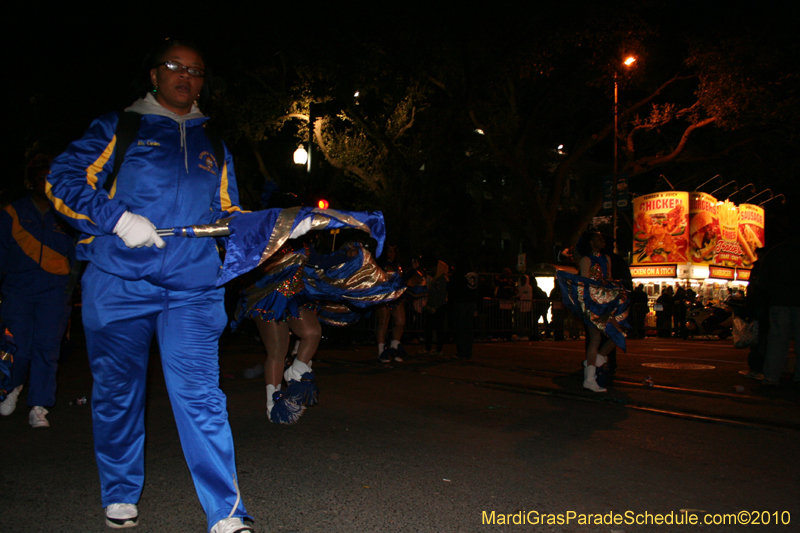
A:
37	418
121	515
231	525
10	403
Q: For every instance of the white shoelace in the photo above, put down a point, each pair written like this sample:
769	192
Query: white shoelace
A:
238	496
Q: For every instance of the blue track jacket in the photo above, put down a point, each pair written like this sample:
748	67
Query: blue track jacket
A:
36	253
169	175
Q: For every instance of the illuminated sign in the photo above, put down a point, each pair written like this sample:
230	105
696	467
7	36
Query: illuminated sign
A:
661	228
720	272
703	228
659	271
751	232
696	229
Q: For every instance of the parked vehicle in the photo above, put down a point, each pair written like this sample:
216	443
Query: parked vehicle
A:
708	320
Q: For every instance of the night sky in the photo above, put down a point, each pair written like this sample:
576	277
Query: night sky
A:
79	62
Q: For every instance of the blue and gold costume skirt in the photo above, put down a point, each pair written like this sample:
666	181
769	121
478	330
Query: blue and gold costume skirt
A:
280	293
596	303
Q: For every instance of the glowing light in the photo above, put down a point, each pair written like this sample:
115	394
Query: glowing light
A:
323	204
630	60
300	155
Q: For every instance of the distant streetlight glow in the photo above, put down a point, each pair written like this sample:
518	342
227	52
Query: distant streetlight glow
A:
300	155
630	61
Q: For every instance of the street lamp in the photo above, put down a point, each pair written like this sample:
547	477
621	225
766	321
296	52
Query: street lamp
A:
300	155
630	60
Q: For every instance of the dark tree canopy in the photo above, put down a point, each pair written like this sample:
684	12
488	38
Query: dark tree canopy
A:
456	129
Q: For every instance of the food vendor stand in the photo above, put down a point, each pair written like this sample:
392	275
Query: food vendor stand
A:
692	240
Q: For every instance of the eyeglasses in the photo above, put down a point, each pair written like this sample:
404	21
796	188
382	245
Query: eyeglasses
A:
174	66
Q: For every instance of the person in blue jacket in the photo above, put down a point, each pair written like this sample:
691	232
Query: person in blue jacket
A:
36	257
136	285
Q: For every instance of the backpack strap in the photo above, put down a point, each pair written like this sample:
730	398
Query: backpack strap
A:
127	128
218	147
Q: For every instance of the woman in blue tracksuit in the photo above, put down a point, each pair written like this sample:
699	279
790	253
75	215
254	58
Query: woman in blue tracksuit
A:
36	258
137	285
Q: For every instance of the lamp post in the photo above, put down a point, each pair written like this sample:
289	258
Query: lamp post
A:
630	60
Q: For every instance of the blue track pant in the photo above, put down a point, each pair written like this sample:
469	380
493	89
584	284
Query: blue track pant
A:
37	324
120	318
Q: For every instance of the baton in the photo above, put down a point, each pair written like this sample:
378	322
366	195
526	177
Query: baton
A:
217	229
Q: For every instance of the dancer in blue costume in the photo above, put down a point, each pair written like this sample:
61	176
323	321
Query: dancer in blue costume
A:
278	304
285	298
601	302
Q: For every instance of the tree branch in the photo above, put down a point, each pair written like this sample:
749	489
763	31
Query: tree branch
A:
562	171
647	163
408	125
370	181
284	118
657	92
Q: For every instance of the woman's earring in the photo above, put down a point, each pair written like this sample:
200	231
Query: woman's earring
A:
155	89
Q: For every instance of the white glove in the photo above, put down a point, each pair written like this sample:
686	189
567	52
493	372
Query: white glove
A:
137	231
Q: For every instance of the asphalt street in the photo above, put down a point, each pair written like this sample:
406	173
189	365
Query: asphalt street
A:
440	445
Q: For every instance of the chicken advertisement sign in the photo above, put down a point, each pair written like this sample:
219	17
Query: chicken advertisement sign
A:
661	228
703	228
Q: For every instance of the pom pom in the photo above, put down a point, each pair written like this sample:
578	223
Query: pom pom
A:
305	391
284	410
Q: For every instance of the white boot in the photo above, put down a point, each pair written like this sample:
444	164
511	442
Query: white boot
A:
296	371
270	402
589	380
601	360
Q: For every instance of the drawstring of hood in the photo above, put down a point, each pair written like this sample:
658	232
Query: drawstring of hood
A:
150	106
